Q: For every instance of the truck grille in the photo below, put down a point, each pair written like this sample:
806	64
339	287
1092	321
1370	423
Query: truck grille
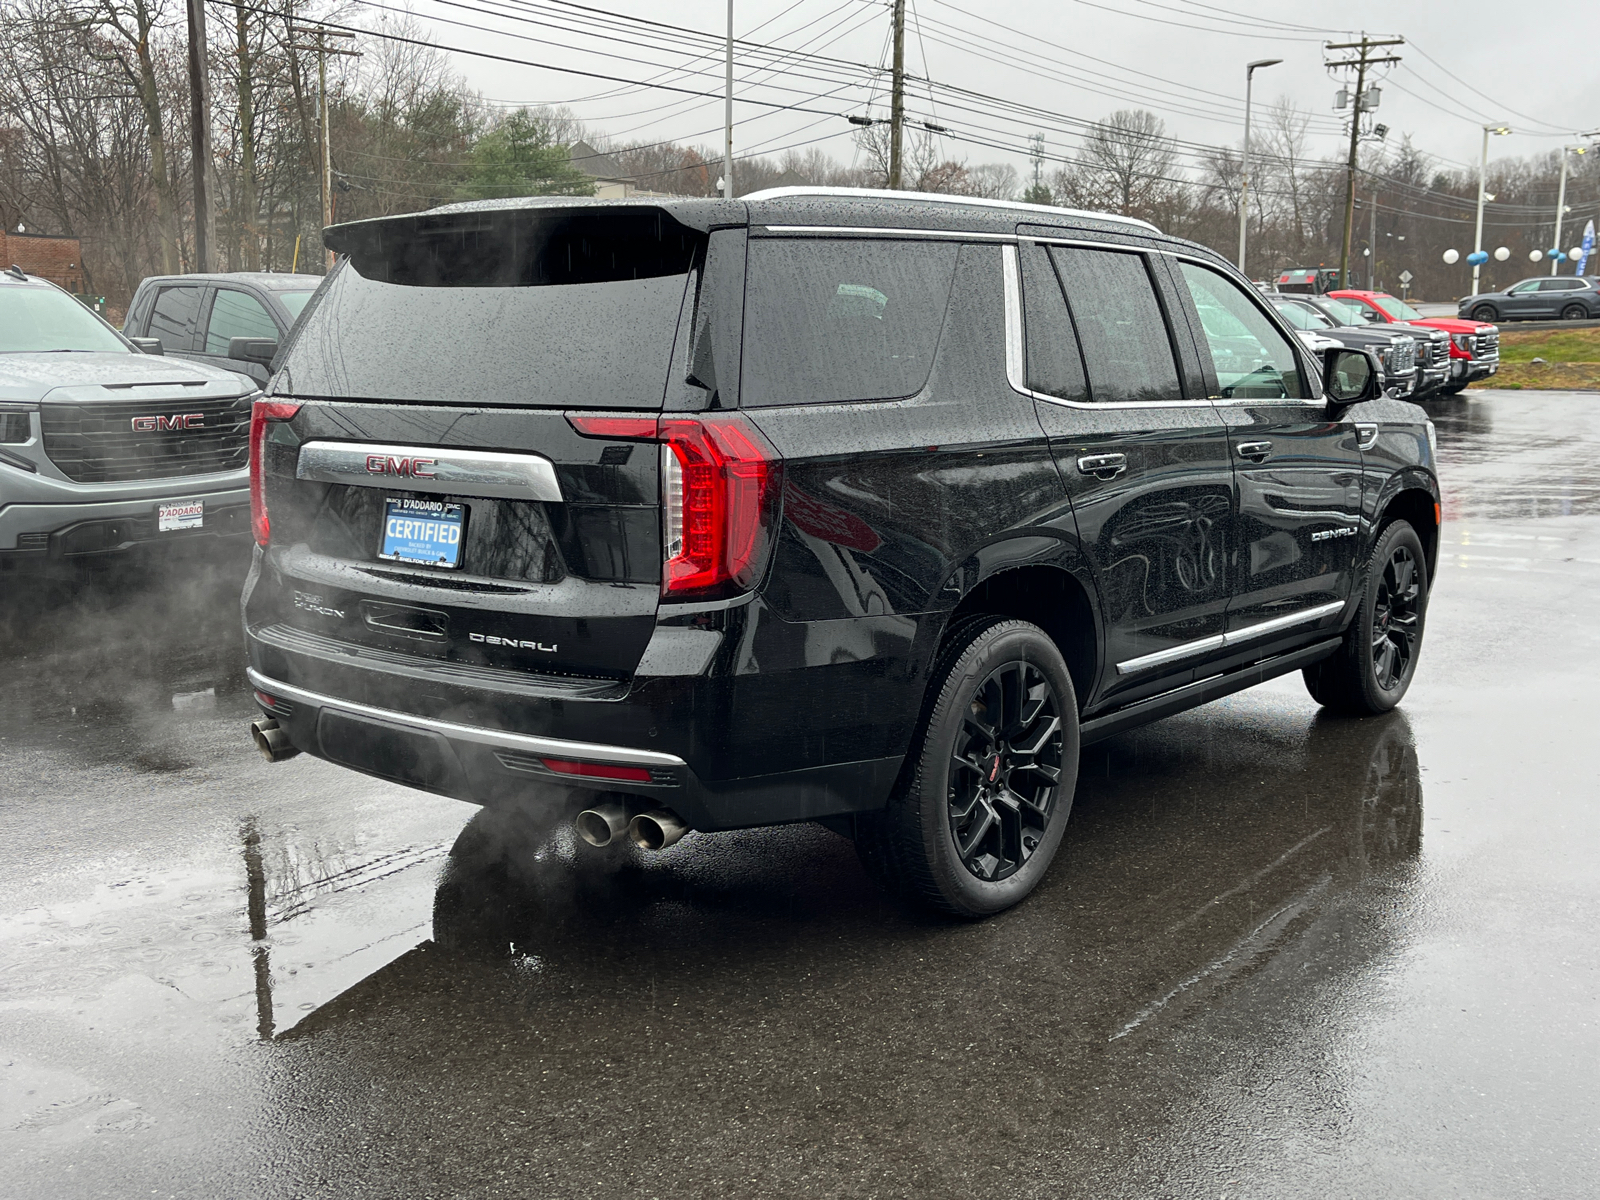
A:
1489	346
112	443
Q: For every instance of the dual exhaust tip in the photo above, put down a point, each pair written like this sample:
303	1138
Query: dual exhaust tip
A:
271	740
610	822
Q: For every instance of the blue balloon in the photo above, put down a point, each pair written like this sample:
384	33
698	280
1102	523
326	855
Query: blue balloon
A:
1557	255
1478	257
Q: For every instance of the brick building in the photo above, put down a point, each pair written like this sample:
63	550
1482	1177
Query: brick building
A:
58	259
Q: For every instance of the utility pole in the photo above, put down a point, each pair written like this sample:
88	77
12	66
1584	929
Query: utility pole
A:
1483	196
321	35
1561	194
727	115
897	105
1361	104
200	133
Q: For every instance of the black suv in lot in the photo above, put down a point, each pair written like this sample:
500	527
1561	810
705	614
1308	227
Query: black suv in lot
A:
871	509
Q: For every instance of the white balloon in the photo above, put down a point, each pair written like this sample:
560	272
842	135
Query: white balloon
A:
1501	254
1452	257
1535	255
1575	253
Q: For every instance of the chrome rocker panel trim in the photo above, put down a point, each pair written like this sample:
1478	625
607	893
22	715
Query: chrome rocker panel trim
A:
1232	638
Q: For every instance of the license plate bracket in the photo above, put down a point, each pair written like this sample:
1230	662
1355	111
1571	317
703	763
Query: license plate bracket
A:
174	515
422	532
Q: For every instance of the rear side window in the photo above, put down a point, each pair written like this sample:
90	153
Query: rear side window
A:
833	320
1055	366
237	314
1251	359
1126	347
576	308
173	318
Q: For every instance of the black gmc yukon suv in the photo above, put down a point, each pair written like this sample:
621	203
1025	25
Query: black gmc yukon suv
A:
870	509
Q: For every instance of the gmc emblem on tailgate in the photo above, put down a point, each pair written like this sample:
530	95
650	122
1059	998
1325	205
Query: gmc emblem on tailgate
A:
417	468
161	424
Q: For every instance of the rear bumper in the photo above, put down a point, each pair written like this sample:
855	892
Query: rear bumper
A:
497	767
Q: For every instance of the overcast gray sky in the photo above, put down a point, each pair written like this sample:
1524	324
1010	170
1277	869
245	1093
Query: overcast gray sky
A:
1528	65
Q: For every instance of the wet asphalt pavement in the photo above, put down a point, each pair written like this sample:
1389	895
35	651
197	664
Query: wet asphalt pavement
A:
1281	954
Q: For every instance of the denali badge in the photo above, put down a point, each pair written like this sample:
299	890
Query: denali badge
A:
311	603
161	424
383	464
512	643
1322	535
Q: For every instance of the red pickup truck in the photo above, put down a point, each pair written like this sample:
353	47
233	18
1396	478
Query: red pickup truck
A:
1474	345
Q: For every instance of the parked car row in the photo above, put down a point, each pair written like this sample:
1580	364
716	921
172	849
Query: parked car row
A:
1415	359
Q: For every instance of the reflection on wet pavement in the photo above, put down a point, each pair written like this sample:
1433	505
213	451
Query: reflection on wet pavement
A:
1262	966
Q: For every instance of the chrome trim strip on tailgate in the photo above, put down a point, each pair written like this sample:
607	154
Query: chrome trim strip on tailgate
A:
540	746
1234	636
494	474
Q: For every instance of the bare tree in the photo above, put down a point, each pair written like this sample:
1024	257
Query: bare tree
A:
1127	164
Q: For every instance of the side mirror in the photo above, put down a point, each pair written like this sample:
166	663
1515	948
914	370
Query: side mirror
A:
1351	376
253	350
148	345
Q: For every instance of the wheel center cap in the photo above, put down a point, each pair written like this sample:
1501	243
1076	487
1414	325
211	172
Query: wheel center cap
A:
994	768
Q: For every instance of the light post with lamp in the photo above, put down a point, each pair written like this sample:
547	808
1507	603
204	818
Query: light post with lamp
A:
1244	173
1477	259
1561	195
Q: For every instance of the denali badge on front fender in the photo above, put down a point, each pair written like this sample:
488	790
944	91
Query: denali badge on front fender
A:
513	643
1322	535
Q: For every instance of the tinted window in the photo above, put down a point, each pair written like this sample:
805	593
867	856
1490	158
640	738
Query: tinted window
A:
1252	360
1562	285
1126	347
847	319
576	308
1301	317
237	314
294	301
1055	366
174	316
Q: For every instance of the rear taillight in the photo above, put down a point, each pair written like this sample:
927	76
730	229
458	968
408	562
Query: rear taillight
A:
261	414
720	483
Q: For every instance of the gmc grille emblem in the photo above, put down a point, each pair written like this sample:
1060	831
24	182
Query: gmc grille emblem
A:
417	468
162	424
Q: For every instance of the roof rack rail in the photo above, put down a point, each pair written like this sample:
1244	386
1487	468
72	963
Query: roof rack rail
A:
942	198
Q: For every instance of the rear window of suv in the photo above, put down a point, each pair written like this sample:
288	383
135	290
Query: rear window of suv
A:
576	308
839	319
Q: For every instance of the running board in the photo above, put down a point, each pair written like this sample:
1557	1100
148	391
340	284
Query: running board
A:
1201	692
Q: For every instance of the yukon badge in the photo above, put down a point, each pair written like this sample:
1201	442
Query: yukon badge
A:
511	643
161	424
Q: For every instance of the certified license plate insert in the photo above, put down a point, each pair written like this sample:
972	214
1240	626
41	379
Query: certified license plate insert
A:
423	532
180	514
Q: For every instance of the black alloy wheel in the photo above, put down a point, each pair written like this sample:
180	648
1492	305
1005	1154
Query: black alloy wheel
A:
1574	312
983	800
1485	312
1396	618
1375	662
1005	771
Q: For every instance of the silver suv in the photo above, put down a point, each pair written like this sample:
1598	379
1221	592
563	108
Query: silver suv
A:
104	447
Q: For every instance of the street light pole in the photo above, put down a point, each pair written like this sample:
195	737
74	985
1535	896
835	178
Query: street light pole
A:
1483	170
1244	172
1561	194
727	115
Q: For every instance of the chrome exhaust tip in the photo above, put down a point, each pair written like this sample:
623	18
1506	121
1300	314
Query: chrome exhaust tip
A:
656	830
271	740
602	824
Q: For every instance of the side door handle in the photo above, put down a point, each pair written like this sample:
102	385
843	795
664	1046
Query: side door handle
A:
1254	451
1103	466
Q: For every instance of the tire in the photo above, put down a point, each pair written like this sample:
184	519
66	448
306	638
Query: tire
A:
1002	785
1574	312
1374	666
1485	312
1452	389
